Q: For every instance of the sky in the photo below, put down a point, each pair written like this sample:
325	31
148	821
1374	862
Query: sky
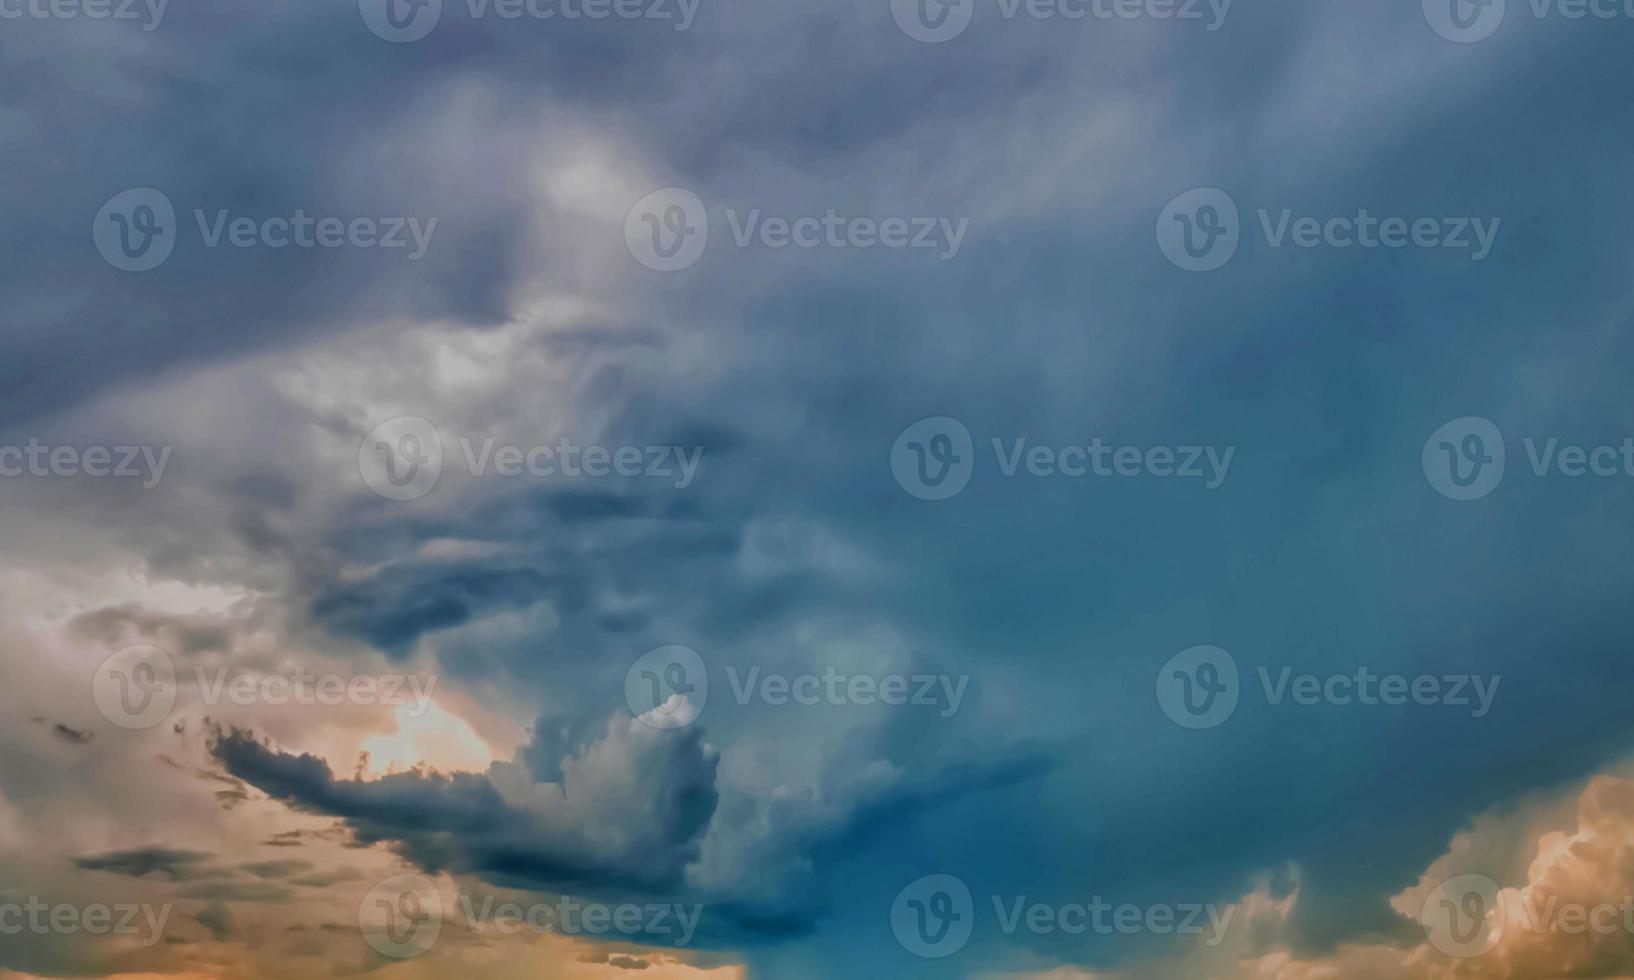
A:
1000	489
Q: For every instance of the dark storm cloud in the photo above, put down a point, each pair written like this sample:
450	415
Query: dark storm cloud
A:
663	803
114	626
217	919
463	823
176	865
69	734
395	608
275	869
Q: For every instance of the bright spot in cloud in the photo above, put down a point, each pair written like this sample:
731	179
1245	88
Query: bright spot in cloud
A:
427	735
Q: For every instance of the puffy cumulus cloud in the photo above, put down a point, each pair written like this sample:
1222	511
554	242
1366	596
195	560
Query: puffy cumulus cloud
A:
1565	911
635	811
1571	913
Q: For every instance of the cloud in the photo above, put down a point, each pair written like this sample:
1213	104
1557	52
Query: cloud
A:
275	869
176	865
1567	912
628	812
795	370
72	736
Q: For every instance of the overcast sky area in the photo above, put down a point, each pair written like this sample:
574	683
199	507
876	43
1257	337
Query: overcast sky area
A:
726	490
